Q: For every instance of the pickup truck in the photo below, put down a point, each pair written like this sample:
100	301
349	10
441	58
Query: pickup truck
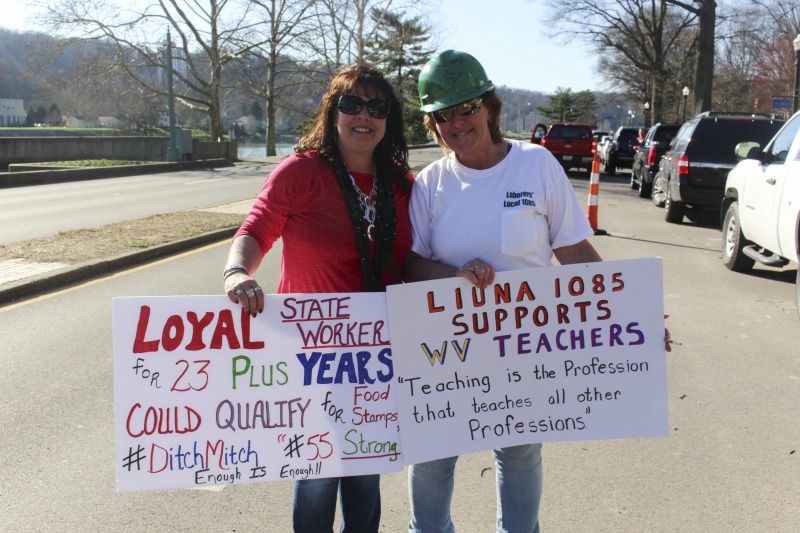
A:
760	209
572	144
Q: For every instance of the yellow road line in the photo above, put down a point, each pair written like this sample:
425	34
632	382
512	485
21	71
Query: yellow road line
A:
111	276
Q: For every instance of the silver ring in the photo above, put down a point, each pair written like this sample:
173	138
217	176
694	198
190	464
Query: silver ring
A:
257	289
238	292
249	293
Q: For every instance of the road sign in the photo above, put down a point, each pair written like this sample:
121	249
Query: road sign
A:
781	103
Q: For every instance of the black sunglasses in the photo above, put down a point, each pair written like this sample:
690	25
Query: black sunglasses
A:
463	109
350	104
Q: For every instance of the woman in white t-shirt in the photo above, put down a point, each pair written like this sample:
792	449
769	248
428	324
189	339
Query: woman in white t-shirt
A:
488	205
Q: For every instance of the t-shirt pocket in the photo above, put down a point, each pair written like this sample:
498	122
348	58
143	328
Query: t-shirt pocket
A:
523	230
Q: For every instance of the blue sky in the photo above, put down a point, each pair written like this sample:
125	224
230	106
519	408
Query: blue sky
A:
504	35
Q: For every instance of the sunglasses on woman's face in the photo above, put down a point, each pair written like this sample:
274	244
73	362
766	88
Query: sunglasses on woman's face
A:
350	104
463	109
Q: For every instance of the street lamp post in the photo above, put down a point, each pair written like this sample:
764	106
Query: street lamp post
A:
685	92
646	114
796	43
528	118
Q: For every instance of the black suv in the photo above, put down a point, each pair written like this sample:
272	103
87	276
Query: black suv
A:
648	156
623	146
693	171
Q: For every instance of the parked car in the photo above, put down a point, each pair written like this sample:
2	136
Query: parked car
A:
572	144
692	172
760	210
648	157
621	149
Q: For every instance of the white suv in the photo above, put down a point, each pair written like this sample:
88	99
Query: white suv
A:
761	206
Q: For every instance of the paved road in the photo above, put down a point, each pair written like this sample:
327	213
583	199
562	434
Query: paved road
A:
44	210
730	463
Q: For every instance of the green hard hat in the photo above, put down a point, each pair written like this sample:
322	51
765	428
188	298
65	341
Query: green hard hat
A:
449	78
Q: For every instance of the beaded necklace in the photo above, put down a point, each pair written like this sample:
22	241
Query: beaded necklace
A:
379	215
367	204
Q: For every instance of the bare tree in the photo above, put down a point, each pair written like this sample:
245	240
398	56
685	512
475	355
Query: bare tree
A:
641	37
783	16
756	58
209	35
773	73
706	13
286	22
345	27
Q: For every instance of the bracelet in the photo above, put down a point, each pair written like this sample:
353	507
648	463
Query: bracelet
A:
233	269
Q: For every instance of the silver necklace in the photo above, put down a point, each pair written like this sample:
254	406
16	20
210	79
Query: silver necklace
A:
367	204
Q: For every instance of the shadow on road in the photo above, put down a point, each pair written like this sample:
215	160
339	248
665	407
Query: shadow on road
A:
785	276
665	243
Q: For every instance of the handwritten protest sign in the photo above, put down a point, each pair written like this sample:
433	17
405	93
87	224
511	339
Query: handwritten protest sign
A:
548	354
207	395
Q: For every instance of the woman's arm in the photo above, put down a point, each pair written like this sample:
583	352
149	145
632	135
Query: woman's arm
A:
582	252
476	271
244	258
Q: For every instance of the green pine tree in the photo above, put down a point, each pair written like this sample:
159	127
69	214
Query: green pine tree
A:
400	49
565	106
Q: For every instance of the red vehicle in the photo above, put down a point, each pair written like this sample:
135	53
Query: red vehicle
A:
572	144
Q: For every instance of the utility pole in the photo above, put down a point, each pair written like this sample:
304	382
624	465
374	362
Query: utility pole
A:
172	151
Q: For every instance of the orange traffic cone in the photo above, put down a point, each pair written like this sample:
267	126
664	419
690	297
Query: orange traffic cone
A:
594	190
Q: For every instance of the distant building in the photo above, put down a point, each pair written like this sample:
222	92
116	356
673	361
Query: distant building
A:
75	122
162	120
12	112
109	122
179	66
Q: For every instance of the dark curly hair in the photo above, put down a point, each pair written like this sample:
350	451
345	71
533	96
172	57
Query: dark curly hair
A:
391	154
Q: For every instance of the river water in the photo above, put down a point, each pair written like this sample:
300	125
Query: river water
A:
250	151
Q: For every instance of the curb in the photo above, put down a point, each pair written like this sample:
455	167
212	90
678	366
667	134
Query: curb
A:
65	175
73	275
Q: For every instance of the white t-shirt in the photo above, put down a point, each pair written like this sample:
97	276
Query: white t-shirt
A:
511	215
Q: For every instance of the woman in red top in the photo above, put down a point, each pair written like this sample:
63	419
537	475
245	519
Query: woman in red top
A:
340	204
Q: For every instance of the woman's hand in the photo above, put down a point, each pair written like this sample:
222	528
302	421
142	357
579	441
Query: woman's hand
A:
244	290
243	259
478	272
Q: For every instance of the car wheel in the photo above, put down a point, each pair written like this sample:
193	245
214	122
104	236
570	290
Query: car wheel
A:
733	242
611	168
659	191
674	211
645	189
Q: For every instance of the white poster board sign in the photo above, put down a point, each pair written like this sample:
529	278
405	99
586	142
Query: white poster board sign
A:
206	395
547	354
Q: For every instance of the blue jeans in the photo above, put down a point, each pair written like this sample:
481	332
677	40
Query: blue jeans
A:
314	507
519	491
